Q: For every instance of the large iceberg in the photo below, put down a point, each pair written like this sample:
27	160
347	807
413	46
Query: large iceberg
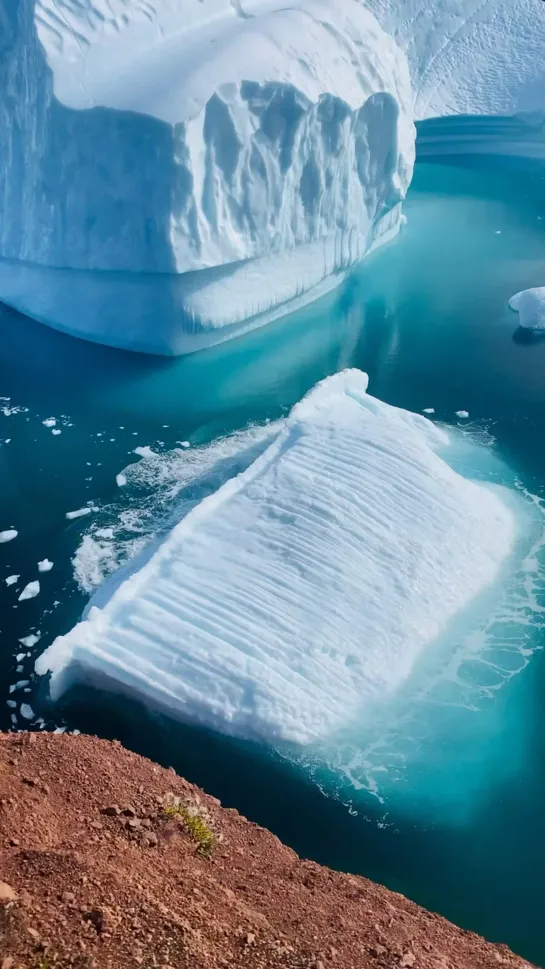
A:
303	590
173	172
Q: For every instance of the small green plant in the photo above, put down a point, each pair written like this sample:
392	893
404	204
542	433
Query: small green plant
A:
195	820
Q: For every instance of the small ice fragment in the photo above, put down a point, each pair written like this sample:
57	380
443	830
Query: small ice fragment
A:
498	232
12	579
462	413
8	439
50	422
429	410
76	733
30	640
19	657
121	480
8	535
11	704
45	565
20	685
26	711
59	730
56	431
19	669
14	719
183	443
30	591
144	452
79	513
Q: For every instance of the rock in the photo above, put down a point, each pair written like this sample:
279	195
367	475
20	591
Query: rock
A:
129	811
150	840
7	893
249	938
8	962
407	960
111	811
97	825
14	842
68	897
146	823
34	933
134	824
378	950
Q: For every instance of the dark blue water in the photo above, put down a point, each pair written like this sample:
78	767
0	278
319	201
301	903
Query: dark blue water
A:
427	318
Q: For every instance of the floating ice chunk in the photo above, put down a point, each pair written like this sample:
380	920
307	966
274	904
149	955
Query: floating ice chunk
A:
144	452
30	640
121	480
49	422
45	565
530	306
462	414
30	591
79	513
56	431
8	535
12	579
26	711
20	656
185	444
20	685
11	704
305	588
429	410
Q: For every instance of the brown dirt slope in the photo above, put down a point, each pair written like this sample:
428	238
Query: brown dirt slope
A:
99	868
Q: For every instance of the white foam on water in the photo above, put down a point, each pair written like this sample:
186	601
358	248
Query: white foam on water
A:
158	491
290	603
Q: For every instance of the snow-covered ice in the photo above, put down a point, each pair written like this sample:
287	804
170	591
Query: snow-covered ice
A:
223	159
79	513
12	579
530	306
30	591
306	587
8	535
45	565
480	57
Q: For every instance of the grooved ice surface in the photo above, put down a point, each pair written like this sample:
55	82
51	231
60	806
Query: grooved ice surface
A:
232	156
305	588
470	56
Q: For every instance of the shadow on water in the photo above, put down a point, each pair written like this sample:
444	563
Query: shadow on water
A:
528	337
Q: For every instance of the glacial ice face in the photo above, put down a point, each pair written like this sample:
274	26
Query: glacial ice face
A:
287	603
175	137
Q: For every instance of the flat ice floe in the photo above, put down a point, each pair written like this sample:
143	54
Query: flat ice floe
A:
305	588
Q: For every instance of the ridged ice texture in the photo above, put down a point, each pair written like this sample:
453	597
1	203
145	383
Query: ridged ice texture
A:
176	135
470	56
305	588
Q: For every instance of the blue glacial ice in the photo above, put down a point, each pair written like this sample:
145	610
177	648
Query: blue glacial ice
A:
530	306
288	602
175	172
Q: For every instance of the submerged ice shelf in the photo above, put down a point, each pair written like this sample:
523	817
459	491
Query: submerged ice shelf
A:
304	589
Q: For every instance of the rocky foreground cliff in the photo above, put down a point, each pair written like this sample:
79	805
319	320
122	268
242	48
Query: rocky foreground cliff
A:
107	860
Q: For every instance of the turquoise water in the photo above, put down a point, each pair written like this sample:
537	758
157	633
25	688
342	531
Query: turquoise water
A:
455	819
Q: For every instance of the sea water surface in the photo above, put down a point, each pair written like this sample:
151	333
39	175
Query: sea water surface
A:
445	802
